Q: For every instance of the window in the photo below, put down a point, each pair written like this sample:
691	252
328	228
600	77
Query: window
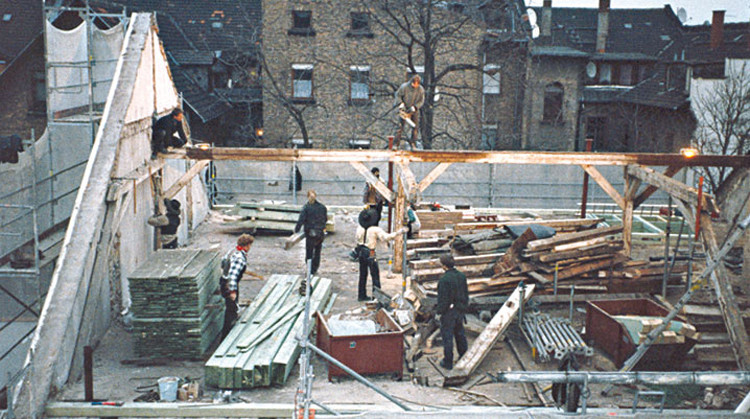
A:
301	23
7	17
302	77
359	81
605	74
418	70
491	80
360	22
40	92
626	75
489	137
553	103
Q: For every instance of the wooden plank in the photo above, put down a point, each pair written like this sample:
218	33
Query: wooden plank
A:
408	182
460	261
292	240
399	220
185	179
512	257
572	271
650	189
484	342
572	237
604	184
377	183
119	186
631	187
434	174
596	249
443	156
568	223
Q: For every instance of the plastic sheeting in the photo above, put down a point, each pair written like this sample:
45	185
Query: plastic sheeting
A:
68	73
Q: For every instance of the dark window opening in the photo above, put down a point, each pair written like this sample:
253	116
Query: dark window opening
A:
301	23
553	103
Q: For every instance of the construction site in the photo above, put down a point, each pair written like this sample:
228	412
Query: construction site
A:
600	283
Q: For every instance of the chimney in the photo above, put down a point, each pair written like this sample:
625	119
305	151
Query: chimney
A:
602	27
717	29
546	28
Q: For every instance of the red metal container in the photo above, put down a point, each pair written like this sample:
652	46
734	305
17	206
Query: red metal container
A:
612	337
377	353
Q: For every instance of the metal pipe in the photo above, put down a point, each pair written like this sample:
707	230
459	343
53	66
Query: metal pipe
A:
572	294
554	279
701	378
744	406
390	187
354	374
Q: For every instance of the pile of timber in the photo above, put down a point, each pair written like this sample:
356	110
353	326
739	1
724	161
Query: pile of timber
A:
176	311
438	220
266	216
262	348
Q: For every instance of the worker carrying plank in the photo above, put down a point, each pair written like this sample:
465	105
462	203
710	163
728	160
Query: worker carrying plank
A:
453	302
233	265
409	99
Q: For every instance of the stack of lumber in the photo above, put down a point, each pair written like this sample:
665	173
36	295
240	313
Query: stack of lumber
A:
176	313
438	220
266	216
478	270
262	348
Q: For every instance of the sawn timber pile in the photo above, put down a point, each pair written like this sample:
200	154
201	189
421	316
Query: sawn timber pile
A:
176	312
266	216
262	348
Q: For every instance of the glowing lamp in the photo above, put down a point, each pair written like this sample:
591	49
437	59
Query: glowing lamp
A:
689	152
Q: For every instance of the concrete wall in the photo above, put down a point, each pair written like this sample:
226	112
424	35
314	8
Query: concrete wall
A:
480	185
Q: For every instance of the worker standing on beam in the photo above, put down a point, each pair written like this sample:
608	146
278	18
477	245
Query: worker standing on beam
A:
409	99
313	217
164	130
453	302
233	267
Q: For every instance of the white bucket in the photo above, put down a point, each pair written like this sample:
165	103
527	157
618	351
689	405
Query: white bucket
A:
168	388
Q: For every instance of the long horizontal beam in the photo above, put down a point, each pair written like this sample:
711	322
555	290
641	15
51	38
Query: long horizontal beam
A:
701	378
495	157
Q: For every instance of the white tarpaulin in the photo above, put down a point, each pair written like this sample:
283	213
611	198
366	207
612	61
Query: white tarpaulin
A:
107	47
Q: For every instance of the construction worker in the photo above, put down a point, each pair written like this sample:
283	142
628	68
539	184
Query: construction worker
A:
369	235
409	99
233	266
169	231
163	132
313	217
372	198
453	302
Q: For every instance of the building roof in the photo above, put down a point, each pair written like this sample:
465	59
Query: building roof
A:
216	25
206	105
557	51
736	43
192	57
653	92
642	32
20	25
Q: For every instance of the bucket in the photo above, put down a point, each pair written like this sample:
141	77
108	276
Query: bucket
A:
168	388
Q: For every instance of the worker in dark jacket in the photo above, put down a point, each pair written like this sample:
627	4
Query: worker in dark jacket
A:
169	231
164	130
453	302
313	217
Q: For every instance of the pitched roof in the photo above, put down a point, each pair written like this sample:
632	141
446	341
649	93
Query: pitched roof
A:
206	105
653	92
20	24
215	25
647	32
736	42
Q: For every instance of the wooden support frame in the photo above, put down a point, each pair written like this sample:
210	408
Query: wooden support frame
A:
377	183
408	182
675	188
434	174
650	189
185	179
605	185
399	218
631	188
122	185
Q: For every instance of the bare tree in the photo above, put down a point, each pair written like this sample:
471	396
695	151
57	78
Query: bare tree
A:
723	113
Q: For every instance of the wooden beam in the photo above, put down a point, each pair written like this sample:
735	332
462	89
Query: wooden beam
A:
485	341
676	189
605	185
730	310
379	185
408	181
434	174
399	218
495	157
631	187
119	186
195	410
185	179
650	189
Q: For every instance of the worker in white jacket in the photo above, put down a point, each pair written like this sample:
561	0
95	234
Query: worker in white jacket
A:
369	235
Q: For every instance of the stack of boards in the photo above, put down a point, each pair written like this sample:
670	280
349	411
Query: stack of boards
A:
177	313
267	216
262	347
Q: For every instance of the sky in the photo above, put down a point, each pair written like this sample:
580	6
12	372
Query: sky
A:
698	11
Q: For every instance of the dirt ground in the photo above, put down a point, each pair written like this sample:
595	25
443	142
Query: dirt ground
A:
113	380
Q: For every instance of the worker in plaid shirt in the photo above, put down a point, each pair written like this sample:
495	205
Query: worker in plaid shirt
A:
234	265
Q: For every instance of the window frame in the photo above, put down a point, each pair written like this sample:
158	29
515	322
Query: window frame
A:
297	18
495	78
549	106
359	69
301	69
363	32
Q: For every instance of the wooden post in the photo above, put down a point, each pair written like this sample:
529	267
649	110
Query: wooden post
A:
398	221
585	193
88	373
631	187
